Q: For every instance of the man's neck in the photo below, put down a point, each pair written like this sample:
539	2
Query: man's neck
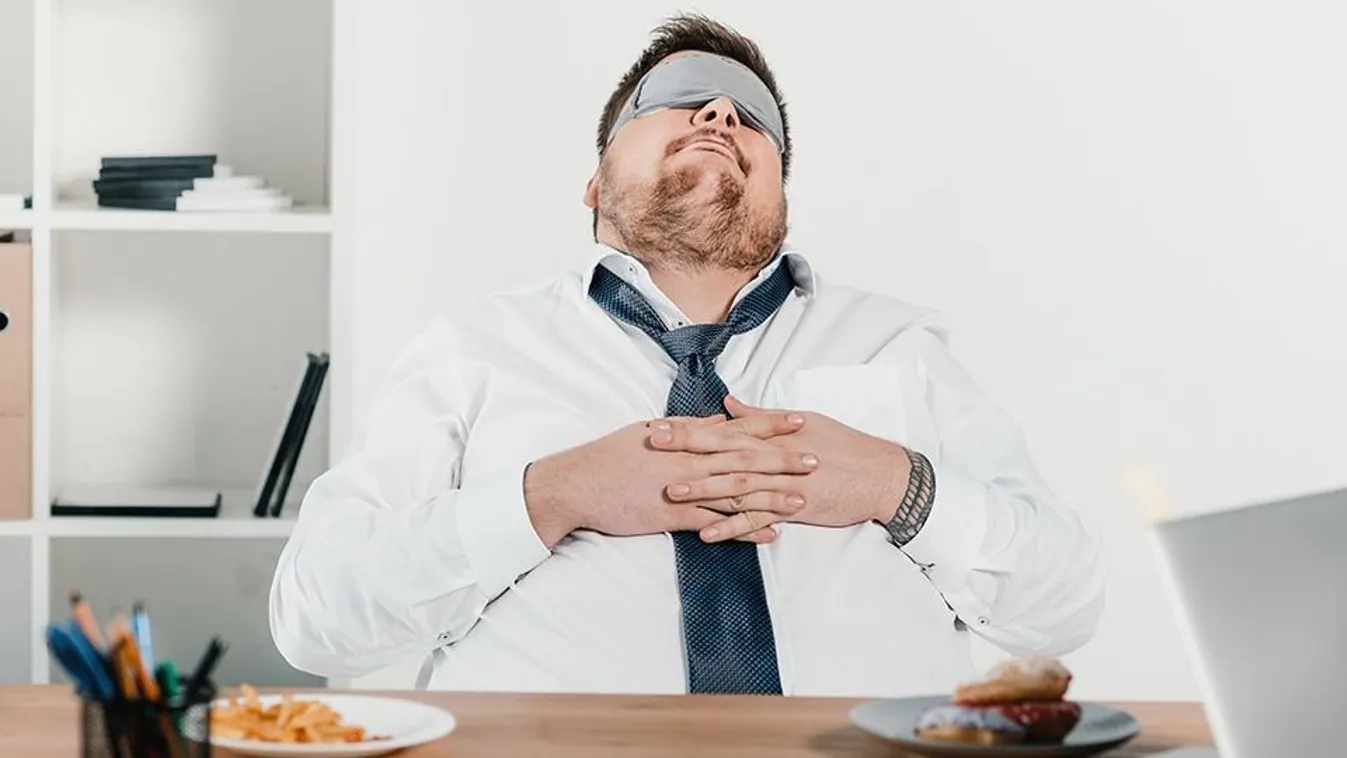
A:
703	294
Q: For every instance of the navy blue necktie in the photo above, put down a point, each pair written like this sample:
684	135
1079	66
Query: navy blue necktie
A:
727	628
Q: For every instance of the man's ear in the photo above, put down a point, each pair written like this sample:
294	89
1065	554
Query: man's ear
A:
592	191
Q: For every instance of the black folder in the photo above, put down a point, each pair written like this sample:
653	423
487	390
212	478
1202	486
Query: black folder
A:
277	483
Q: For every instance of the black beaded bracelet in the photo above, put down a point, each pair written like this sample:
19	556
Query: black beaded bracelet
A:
917	501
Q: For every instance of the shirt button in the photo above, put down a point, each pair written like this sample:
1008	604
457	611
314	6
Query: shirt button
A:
982	621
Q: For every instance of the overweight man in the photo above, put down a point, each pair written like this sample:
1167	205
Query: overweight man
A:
694	464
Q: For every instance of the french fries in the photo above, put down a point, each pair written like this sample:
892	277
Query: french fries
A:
290	720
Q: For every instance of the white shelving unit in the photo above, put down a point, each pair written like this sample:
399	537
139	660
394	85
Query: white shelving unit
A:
167	346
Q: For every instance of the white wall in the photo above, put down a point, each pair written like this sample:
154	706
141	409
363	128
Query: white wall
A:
16	97
1131	211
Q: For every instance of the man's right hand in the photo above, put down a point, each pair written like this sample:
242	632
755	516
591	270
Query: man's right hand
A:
616	484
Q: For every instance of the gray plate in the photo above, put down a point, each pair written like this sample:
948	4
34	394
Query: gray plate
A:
1100	729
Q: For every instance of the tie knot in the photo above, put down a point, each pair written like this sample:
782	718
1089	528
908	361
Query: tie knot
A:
705	340
624	302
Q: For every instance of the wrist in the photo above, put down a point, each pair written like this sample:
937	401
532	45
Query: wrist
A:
551	515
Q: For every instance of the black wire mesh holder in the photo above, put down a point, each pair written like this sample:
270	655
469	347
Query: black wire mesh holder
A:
145	729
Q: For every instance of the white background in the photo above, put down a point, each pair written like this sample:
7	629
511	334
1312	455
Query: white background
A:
1132	212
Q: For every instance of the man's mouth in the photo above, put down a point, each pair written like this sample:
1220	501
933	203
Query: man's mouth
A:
715	146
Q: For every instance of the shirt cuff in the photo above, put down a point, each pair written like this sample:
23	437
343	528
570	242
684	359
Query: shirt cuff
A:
497	536
951	539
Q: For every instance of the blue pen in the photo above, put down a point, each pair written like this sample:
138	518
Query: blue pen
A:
77	656
140	627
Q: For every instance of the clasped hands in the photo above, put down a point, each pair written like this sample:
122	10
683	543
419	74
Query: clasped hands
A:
727	478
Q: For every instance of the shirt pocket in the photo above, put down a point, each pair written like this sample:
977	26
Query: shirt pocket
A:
865	397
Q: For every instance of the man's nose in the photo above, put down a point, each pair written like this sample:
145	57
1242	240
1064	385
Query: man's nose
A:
718	113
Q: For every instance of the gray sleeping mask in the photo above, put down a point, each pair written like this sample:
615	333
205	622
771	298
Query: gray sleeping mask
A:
694	80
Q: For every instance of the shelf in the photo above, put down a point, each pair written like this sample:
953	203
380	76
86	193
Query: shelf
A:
222	527
87	216
10	220
234	522
17	527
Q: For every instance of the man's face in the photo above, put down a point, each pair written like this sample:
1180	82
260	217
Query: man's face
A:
692	187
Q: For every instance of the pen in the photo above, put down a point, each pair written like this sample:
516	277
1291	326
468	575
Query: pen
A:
140	624
203	669
167	676
129	652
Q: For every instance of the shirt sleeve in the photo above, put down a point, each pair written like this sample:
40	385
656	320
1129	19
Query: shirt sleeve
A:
1014	562
389	555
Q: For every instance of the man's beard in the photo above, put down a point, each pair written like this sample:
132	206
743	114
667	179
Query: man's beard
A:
663	225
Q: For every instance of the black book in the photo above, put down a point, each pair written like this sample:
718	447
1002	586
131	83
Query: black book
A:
140	203
142	187
156	161
277	482
306	417
162	172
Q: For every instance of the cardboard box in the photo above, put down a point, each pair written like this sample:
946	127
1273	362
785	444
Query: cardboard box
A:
16	381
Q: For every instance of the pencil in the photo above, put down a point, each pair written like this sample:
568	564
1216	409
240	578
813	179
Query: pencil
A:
122	667
84	616
148	686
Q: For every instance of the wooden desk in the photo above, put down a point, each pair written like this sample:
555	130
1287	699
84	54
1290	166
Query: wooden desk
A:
42	722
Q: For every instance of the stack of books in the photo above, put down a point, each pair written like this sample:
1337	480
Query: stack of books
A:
182	183
15	202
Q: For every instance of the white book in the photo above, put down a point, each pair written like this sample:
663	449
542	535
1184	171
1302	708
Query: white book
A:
226	183
231	194
10	202
208	203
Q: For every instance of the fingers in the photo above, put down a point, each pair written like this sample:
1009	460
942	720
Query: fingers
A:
739	437
754	422
760	537
739	526
768	424
766	460
699	520
738	484
780	503
680	436
664	423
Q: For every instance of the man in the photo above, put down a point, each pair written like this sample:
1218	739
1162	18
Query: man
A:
693	465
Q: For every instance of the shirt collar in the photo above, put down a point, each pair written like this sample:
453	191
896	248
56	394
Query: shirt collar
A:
632	270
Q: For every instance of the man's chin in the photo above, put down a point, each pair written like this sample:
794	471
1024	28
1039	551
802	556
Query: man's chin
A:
707	185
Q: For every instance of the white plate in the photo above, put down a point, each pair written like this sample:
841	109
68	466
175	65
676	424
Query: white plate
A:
405	722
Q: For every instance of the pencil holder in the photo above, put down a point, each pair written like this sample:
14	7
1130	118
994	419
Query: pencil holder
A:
144	729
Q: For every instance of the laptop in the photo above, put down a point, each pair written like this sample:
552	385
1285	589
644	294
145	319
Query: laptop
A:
1260	593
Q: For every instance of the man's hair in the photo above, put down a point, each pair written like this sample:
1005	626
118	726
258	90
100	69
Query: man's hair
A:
693	32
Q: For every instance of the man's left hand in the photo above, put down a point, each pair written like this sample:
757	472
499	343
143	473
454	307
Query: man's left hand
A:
858	477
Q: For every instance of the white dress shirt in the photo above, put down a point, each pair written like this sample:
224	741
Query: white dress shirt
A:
420	541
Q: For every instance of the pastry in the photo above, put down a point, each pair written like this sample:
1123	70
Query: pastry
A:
1024	679
957	723
1022	700
1042	721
